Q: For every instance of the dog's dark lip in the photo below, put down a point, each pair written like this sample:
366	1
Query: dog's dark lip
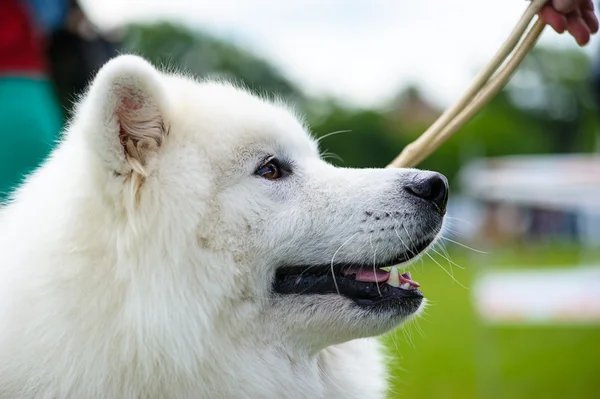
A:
319	279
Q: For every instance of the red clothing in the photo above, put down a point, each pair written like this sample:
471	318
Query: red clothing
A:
21	46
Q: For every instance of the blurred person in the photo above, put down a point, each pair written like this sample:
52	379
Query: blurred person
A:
76	50
30	117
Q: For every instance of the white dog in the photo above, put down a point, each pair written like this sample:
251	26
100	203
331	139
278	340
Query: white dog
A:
185	240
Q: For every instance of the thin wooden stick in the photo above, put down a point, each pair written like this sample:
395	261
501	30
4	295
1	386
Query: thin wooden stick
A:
481	91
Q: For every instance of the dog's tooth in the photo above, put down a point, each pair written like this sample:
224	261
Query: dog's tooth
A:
394	279
405	286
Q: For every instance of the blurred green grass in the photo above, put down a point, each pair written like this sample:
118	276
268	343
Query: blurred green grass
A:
448	353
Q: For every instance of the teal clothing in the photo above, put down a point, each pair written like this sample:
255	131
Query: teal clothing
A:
30	124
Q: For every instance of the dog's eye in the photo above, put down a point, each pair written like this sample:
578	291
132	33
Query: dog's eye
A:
271	170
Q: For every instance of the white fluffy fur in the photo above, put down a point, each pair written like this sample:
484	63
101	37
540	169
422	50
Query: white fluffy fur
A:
137	262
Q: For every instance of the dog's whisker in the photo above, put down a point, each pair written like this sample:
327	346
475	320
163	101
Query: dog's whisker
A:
394	339
445	258
445	255
401	240
408	334
410	238
332	134
374	268
447	272
328	155
464	246
418	327
398	235
448	228
451	228
333	258
408	235
450	262
465	221
442	245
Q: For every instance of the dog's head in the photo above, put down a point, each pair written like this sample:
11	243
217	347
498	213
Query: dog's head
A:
229	201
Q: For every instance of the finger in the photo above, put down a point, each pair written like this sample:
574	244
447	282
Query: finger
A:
565	6
557	21
578	28
591	20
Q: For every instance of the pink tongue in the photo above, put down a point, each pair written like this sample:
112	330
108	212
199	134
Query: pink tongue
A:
368	275
405	278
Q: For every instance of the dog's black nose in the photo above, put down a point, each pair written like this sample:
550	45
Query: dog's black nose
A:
430	186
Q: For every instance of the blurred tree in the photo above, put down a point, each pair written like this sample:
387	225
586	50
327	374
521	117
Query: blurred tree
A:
554	87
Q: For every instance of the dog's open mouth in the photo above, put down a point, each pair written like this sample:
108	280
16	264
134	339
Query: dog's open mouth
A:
366	284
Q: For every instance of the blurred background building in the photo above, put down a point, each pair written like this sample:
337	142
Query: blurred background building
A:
525	173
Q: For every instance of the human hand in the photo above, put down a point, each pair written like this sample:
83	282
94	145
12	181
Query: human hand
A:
575	16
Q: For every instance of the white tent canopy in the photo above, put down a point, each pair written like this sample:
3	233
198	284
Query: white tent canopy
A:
556	181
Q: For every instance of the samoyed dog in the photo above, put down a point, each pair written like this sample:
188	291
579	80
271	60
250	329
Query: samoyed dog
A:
185	240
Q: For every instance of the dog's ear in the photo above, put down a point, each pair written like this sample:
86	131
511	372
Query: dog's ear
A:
129	106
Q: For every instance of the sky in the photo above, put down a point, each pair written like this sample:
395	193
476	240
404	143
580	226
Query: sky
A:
360	51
